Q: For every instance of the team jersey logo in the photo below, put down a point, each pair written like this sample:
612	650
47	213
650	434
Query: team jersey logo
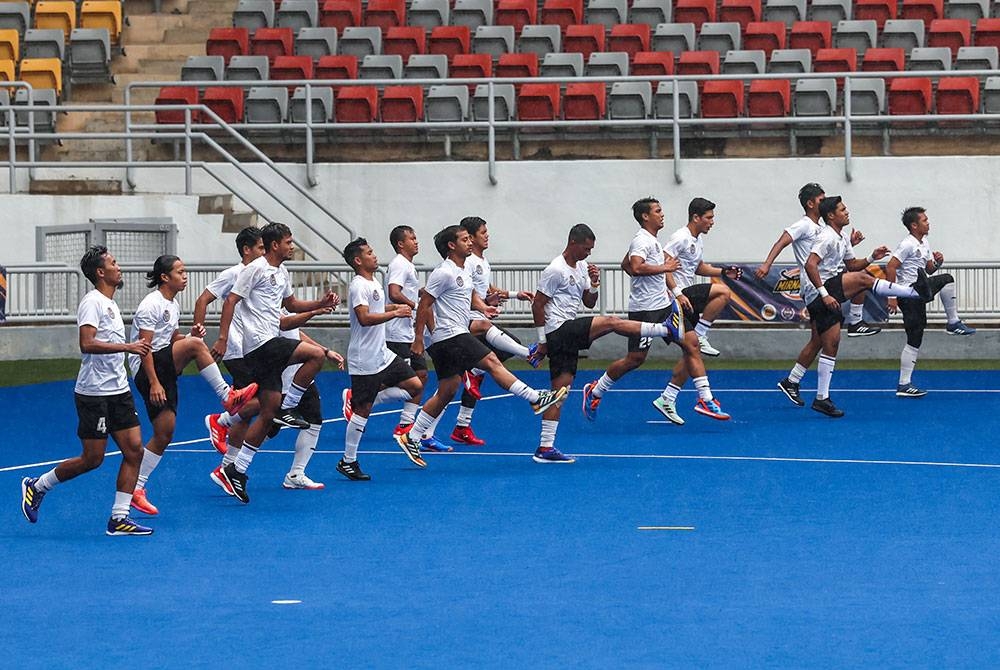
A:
459	281
166	316
274	282
693	249
479	269
375	295
572	280
111	312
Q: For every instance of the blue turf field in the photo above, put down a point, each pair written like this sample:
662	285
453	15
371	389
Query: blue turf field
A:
867	541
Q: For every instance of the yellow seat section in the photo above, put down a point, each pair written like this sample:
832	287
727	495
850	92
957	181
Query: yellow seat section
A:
42	73
10	44
56	14
103	14
7	70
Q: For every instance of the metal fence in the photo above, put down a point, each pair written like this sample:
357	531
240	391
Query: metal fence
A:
50	293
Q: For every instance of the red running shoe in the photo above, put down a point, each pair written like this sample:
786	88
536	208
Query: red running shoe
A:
464	435
347	409
238	397
472	383
402	429
221	481
141	503
217	433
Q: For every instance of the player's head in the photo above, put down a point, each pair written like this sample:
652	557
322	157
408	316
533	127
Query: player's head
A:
167	269
701	214
248	243
403	239
810	196
834	211
580	241
476	227
648	209
359	255
914	218
97	264
277	238
453	239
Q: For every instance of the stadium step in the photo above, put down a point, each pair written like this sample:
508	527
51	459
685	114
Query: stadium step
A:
75	187
232	221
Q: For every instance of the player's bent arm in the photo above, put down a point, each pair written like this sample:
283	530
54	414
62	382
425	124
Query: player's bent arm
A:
293	321
538	318
147	363
891	268
425	317
776	249
366	318
89	344
396	296
228	309
638	267
201	305
812	270
297	306
708	270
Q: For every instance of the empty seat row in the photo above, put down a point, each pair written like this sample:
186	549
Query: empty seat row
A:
63	15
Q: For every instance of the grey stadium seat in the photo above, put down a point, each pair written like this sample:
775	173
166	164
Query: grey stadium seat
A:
721	37
868	96
44	44
15	16
607	13
663	101
503	102
674	37
991	95
426	66
493	40
472	13
786	11
562	65
428	14
360	41
316	42
446	103
322	104
790	61
203	68
630	100
254	14
266	104
44	121
857	35
744	62
90	55
381	67
540	40
297	14
650	12
971	10
4	101
905	34
833	11
248	68
929	58
607	64
976	58
815	97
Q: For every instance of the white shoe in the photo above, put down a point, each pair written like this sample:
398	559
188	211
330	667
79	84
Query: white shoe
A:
669	410
706	348
301	481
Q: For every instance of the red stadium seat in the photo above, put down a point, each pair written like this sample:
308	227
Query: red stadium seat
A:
764	36
630	38
654	63
292	67
883	60
698	62
272	42
584	102
769	97
585	39
464	66
340	14
923	10
878	11
517	13
538	102
694	11
449	41
909	96
836	60
228	42
404	41
385	14
958	95
517	65
951	33
812	35
562	13
226	101
337	67
722	99
356	104
177	95
402	104
743	12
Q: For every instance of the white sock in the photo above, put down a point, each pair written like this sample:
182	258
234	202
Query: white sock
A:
305	447
949	301
149	463
464	417
391	394
46	482
122	501
704	390
602	386
907	363
232	452
548	436
352	438
225	419
409	413
825	371
797	373
242	462
522	390
213	376
670	393
504	342
435	422
422	425
888	289
293	396
702	327
653	330
857	312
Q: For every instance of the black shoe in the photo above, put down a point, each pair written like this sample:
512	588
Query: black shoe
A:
352	471
909	391
273	430
826	406
862	329
791	391
922	286
237	481
291	418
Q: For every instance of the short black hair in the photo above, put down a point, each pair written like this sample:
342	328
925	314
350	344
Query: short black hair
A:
445	236
580	233
472	224
911	215
92	261
829	205
643	206
353	250
699	206
247	238
397	235
274	232
808	192
161	266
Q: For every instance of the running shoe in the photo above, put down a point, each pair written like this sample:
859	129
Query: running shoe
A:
352	471
862	329
301	481
909	391
217	433
464	435
534	360
711	408
826	406
590	401
402	429
31	499
791	391
433	444
411	447
675	322
291	418
238	397
347	409
959	328
922	286
547	399
217	477
127	526
472	382
706	348
141	503
551	455
669	410
237	482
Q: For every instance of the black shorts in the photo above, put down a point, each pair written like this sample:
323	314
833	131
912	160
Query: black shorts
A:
915	309
822	316
697	294
239	370
166	373
364	388
639	343
102	415
402	349
456	355
269	360
565	344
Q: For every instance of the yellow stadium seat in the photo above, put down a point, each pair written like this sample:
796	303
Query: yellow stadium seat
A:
7	70
56	14
10	44
103	14
42	73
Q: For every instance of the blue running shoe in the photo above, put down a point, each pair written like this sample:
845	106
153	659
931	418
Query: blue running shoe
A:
533	359
551	455
711	408
433	444
959	328
674	322
590	401
31	499
126	526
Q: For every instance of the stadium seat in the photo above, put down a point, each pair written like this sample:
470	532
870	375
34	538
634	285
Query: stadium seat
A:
630	100
272	42
902	33
266	104
721	37
878	11
991	95
970	10
607	13
857	35
356	104
764	36
698	62
297	14
923	10
428	14
812	35
340	14
56	14
564	13
446	103
248	68
337	67
107	14
744	62
426	66
471	66
687	100
562	65
288	68
538	102
228	42
540	40
958	95
47	43
8	70
835	60
977	58
650	12
743	12
385	14
176	95
254	14
929	58
503	102
449	41
583	39
790	61
316	42
517	65
629	38
987	33
909	96
402	104
10	44
867	97
815	97
951	33
722	99
675	38
493	40
472	13
203	68
226	102
607	64
653	63
883	60
44	122
360	41
15	16
404	41
694	11
769	97
90	56
516	13
585	102
381	67
321	110
785	11
831	11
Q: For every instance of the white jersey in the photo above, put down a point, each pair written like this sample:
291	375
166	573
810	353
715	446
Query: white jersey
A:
804	233
101	374
481	273
159	315
687	249
451	287
564	285
366	351
263	288
648	292
403	273
220	287
833	249
913	255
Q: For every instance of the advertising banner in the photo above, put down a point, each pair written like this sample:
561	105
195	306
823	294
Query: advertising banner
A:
3	294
